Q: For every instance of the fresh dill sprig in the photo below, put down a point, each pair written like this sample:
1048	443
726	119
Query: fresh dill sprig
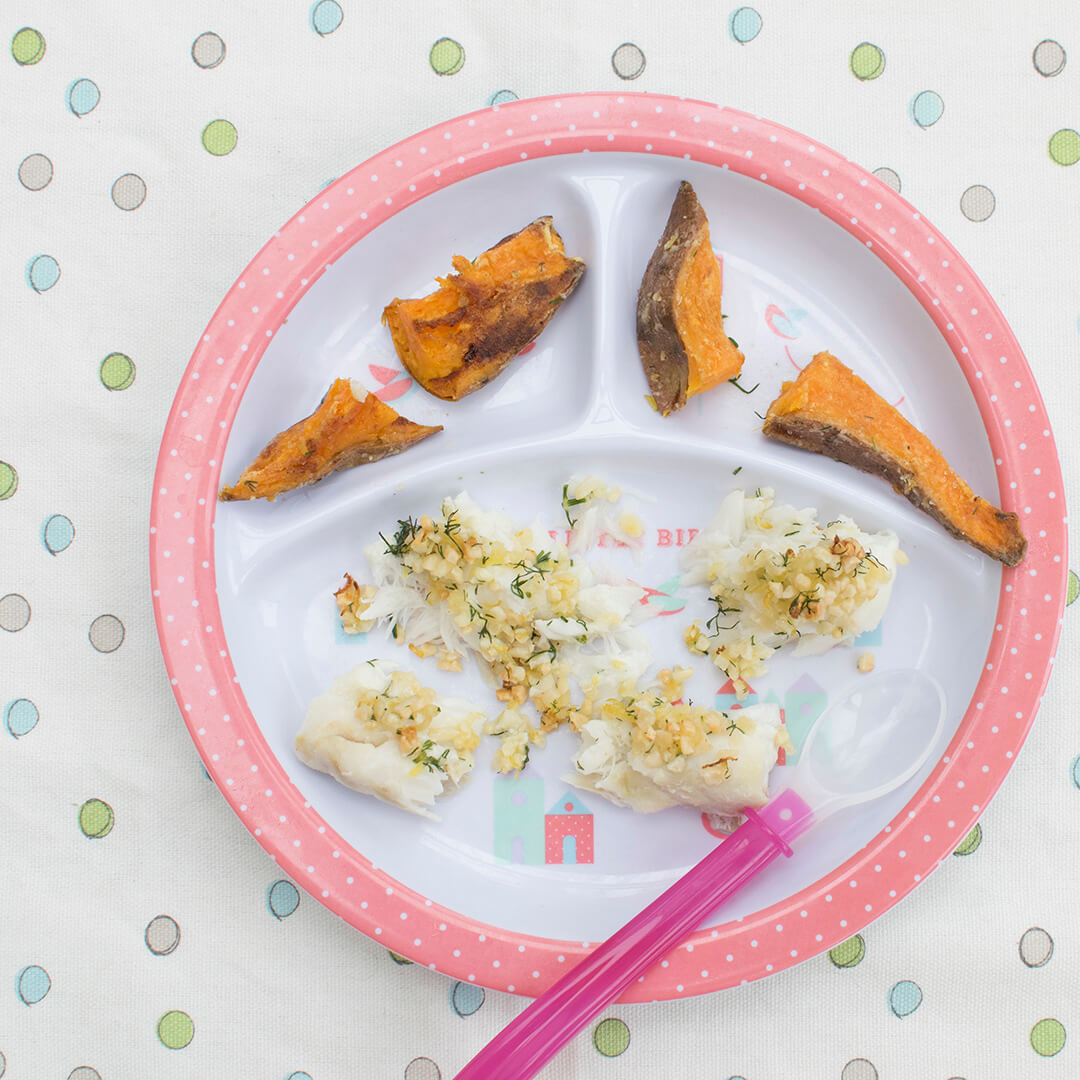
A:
537	569
742	389
406	530
721	611
567	502
422	757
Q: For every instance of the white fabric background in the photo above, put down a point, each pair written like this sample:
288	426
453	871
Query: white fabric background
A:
267	996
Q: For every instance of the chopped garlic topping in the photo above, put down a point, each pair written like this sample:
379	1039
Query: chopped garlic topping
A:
776	576
545	629
652	751
377	729
352	601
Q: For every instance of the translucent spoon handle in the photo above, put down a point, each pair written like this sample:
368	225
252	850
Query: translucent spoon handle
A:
522	1048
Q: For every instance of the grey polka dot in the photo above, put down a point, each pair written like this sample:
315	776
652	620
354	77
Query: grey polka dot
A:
628	61
422	1068
888	176
208	50
129	191
35	172
977	203
1036	947
84	1072
162	935
859	1069
1048	58
106	633
14	612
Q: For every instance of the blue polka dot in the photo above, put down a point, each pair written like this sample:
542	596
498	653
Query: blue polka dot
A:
904	998
501	97
298	1076
32	984
744	24
42	273
83	97
466	998
21	717
326	17
926	109
282	898
1076	771
57	533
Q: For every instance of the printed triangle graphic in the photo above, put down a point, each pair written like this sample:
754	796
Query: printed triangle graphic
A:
571	800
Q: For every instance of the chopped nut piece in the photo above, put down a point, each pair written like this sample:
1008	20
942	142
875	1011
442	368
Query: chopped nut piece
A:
866	662
352	601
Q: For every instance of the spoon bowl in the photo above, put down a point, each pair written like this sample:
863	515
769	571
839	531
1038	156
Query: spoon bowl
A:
874	737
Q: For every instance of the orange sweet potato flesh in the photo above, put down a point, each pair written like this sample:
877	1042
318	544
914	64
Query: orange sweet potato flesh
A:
830	410
680	327
458	338
342	432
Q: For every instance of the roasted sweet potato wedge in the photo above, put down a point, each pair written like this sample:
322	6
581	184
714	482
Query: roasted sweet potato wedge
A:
458	338
680	327
830	410
350	427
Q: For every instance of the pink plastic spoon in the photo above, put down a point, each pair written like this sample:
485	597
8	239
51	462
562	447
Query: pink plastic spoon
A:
871	740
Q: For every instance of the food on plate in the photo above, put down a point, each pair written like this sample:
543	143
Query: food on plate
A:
458	338
594	512
652	751
378	730
546	629
350	427
680	328
352	600
866	662
776	576
830	410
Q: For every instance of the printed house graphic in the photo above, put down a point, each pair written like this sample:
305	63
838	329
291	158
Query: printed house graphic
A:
525	834
803	703
568	832
726	698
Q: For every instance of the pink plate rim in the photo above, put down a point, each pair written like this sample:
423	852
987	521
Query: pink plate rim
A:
186	481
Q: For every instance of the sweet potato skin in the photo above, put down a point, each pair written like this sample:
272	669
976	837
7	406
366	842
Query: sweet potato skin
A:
342	432
684	349
829	410
460	337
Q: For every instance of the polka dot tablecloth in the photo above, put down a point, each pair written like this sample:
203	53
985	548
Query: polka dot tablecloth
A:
148	153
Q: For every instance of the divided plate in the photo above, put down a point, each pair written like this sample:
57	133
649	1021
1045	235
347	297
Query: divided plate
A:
522	873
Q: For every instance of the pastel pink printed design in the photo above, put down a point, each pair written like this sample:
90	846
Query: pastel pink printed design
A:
391	386
568	832
187	479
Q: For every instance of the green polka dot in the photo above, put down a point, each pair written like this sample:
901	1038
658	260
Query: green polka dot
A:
219	138
611	1037
9	481
1064	147
398	958
867	61
27	46
117	372
1070	596
95	818
447	57
175	1029
970	842
1048	1037
848	953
